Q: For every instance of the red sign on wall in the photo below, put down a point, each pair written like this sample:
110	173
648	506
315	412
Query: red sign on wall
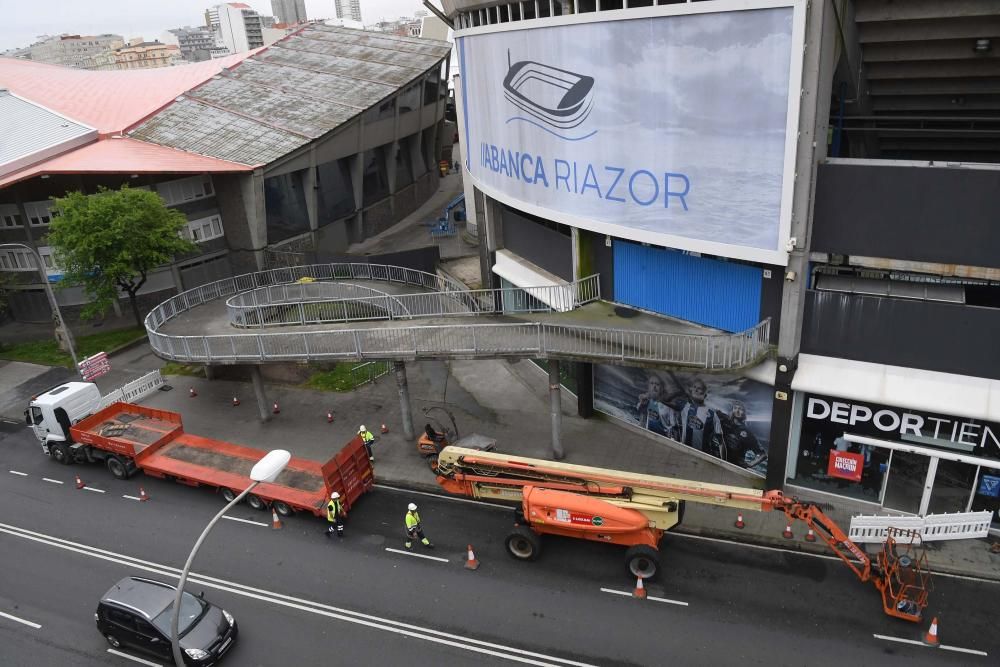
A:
846	465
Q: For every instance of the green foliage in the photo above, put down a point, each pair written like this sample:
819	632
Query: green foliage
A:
338	379
47	352
111	240
174	368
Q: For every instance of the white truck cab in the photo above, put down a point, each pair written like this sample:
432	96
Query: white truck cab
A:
52	413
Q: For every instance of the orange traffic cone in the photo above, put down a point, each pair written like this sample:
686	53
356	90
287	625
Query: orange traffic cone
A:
471	563
276	409
931	638
640	590
787	533
810	536
192	393
385	429
79	482
236	401
275	521
329	417
143	497
739	521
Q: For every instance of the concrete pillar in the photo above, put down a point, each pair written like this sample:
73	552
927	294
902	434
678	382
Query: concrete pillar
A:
210	371
263	409
404	398
310	187
555	407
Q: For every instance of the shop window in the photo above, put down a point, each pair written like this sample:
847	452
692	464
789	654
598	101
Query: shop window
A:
813	468
335	190
376	178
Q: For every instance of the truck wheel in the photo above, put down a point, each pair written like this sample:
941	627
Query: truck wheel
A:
60	453
227	494
256	502
282	508
642	561
117	467
523	543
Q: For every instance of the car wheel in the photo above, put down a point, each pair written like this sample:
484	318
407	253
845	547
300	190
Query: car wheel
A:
114	641
256	502
60	453
523	544
228	494
282	508
643	561
117	467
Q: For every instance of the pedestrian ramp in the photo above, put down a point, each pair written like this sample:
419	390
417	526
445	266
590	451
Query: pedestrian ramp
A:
930	528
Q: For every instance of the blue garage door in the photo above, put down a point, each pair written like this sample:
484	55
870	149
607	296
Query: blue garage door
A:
724	295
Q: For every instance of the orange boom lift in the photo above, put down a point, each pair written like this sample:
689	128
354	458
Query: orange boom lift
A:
634	510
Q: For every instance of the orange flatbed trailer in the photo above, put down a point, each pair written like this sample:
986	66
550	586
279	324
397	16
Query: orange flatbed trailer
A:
155	441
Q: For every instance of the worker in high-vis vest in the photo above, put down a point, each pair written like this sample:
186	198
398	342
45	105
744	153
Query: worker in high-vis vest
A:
335	516
413	529
368	439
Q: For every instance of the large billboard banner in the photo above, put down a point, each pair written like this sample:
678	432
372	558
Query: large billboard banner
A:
671	129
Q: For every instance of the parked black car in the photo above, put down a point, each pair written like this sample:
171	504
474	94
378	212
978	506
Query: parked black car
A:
136	612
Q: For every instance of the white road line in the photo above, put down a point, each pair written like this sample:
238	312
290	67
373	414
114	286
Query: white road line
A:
19	474
135	498
133	658
453	499
957	649
280	599
90	488
52	481
233	518
410	553
36	626
648	597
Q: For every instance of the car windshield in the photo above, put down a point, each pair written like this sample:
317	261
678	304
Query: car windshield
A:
192	609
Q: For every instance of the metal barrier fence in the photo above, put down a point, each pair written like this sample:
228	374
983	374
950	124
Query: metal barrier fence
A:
930	528
134	390
369	372
328	302
529	339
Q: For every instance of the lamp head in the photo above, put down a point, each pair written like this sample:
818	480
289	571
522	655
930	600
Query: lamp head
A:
269	467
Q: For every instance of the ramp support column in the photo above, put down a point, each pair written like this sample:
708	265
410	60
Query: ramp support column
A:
555	407
258	390
404	398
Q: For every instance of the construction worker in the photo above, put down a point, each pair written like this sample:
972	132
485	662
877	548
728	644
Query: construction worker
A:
413	529
335	515
368	439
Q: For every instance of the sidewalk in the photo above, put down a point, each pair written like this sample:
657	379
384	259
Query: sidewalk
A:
507	401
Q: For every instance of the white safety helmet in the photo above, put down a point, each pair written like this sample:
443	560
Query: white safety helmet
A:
412	507
362	429
334	495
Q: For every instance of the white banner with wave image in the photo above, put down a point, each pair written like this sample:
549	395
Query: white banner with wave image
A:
676	129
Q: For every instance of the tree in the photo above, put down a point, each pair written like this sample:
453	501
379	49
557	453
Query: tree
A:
111	240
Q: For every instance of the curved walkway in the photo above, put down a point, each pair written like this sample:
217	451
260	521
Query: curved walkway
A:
332	312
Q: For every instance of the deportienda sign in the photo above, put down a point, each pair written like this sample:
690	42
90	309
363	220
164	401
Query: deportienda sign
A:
675	128
965	435
846	465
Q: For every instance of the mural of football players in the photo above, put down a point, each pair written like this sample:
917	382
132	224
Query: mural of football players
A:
701	427
654	412
742	446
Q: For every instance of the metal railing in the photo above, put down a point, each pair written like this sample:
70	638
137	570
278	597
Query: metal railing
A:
414	341
330	302
369	372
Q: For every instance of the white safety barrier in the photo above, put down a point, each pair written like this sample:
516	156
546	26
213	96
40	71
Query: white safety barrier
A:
933	527
134	390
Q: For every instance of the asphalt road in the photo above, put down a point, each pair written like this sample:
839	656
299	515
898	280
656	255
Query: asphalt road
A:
301	599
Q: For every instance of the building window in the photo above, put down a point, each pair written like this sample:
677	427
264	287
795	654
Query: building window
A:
17	260
185	189
205	229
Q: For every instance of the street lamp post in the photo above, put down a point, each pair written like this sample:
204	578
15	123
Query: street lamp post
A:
52	297
265	470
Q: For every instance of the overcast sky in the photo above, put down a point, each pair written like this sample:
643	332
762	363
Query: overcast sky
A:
24	20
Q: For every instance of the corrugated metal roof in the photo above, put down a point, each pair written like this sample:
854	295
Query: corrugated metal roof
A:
296	90
199	128
30	133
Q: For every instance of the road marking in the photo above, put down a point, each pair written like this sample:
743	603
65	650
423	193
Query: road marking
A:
233	518
453	499
36	626
132	497
19	474
90	488
407	552
648	597
133	658
52	481
958	649
301	604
